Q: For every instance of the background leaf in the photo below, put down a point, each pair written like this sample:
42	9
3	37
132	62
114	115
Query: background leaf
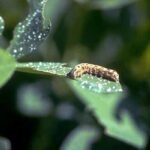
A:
7	66
5	144
81	138
104	106
32	100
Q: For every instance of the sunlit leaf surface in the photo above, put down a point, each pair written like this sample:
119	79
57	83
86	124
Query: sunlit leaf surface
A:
7	66
45	68
29	34
1	25
103	106
81	138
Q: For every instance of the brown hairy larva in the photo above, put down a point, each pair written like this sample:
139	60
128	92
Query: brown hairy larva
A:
95	70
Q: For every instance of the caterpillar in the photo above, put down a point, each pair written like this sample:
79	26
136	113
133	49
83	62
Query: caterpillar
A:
95	70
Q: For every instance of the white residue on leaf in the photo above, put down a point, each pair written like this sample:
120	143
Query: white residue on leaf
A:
99	85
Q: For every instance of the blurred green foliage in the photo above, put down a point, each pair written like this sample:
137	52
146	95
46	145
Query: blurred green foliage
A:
7	66
110	33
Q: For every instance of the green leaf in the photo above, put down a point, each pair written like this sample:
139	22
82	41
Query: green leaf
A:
81	138
89	82
103	106
45	68
98	85
29	34
7	66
